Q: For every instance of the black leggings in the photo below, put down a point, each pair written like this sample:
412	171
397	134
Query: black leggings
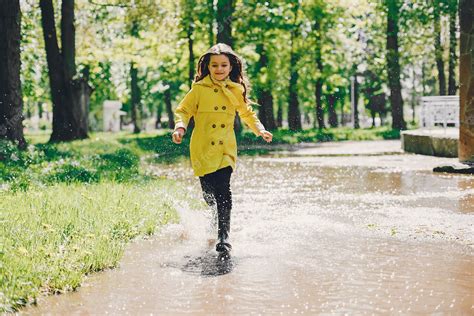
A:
216	190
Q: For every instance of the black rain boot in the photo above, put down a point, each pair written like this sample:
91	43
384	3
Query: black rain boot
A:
223	244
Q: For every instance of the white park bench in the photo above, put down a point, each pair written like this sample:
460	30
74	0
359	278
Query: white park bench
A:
439	111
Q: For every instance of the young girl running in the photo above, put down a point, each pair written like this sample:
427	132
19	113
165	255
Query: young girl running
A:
218	91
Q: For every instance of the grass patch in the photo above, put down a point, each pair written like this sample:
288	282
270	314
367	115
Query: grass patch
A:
69	209
285	136
53	236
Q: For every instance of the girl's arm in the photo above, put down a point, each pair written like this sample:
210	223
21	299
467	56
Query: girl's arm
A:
186	109
250	118
183	113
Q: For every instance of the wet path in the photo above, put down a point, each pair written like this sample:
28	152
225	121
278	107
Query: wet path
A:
311	234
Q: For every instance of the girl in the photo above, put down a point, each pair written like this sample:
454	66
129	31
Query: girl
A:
219	90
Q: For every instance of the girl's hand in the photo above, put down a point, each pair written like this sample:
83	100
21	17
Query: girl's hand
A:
267	136
178	135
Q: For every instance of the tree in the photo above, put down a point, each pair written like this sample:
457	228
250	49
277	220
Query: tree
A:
264	92
188	26
438	47
318	13
135	97
11	105
294	114
453	8
210	22
466	80
225	9
393	66
70	96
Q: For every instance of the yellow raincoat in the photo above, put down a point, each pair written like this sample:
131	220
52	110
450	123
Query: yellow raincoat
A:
213	105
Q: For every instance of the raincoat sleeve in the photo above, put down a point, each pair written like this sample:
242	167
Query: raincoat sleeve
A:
186	109
250	118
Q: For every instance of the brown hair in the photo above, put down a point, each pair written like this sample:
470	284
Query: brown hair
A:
237	73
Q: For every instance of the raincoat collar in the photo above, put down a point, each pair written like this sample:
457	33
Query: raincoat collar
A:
226	85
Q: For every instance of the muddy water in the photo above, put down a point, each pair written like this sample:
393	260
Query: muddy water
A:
310	235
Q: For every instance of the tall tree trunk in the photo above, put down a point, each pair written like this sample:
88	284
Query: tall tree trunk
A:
225	9
265	98
191	54
332	110
452	48
318	91
169	108
70	96
189	26
279	121
159	112
355	99
341	97
393	66
439	49
135	97
68	38
11	104
466	82
294	114
413	97
211	13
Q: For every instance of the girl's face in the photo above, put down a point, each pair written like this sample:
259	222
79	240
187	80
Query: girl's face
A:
219	66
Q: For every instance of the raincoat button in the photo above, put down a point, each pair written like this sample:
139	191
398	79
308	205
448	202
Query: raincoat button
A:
216	108
212	143
216	90
224	107
221	142
213	125
222	125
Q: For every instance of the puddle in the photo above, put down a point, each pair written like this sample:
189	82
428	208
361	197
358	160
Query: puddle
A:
310	235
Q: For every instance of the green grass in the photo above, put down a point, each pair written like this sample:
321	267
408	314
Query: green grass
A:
285	136
69	209
53	236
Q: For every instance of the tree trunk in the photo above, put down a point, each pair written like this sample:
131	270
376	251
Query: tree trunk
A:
265	113
189	20
191	55
318	91
210	30
225	9
466	82
294	115
169	108
279	121
159	112
135	97
70	97
393	66
68	38
332	110
452	49
355	99
413	97
265	98
11	103
439	49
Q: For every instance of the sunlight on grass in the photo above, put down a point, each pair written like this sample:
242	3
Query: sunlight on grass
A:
53	236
